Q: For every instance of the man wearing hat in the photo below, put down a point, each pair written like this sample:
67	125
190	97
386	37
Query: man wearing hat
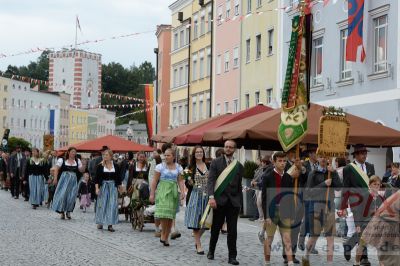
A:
355	190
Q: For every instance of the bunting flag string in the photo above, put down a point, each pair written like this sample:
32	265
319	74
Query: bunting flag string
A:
70	46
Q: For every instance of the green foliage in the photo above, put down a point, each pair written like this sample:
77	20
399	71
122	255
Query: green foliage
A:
128	82
249	168
14	142
34	70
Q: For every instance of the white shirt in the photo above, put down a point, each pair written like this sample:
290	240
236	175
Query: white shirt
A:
112	170
362	166
61	160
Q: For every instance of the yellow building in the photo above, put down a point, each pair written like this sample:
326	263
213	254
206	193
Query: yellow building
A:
4	87
201	58
78	126
260	64
181	13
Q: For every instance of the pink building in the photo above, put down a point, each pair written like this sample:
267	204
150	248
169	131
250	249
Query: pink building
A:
163	74
226	93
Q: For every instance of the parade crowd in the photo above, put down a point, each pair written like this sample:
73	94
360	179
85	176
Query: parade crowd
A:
305	198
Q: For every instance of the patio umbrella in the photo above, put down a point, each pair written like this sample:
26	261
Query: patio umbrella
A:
115	143
170	135
195	136
260	131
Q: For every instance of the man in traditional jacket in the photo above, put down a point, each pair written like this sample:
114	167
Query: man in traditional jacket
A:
355	190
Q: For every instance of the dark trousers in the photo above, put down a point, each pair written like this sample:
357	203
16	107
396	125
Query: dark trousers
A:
15	183
229	213
26	189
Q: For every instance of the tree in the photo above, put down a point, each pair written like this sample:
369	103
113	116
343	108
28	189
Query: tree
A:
13	142
128	82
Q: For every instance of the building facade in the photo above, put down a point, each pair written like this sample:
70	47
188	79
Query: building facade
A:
370	89
260	53
77	73
162	93
226	67
29	112
4	92
180	48
133	131
201	60
78	125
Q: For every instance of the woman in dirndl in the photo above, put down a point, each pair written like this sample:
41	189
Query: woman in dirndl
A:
68	170
168	176
107	183
198	198
36	171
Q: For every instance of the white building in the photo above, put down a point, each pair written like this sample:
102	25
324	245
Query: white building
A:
105	121
29	112
78	73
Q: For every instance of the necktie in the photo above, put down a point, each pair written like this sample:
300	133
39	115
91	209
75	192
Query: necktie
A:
229	161
362	167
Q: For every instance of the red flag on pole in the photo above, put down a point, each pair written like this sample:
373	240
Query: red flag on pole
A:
355	30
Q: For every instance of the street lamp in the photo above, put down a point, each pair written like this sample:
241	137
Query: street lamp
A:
156	116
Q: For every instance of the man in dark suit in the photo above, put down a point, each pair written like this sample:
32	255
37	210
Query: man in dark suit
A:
227	205
355	191
25	183
15	171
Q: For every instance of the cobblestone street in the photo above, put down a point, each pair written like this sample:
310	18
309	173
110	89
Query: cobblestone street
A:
39	237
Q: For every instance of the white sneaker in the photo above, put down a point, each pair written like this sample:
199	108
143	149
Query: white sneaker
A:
267	263
261	237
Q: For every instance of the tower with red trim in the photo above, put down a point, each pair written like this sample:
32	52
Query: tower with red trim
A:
78	73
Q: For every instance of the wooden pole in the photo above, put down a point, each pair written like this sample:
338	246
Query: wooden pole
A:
327	191
296	180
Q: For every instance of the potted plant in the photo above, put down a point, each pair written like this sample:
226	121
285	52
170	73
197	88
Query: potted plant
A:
249	202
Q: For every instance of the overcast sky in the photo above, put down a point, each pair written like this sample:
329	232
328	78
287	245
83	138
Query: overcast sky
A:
27	24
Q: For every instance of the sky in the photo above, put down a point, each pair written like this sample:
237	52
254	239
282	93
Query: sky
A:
27	24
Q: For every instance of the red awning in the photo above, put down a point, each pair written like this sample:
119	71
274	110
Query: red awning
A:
195	136
116	144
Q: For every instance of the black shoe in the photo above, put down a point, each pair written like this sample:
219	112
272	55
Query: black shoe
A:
199	252
26	199
233	261
296	261
365	262
16	197
346	252
301	246
314	251
210	256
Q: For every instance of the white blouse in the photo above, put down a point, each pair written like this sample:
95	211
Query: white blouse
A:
61	160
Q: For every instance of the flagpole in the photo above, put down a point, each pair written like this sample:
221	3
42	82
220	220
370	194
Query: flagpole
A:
76	31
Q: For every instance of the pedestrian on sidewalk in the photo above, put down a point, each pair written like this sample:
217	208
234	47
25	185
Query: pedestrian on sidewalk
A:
168	176
84	192
36	170
198	198
226	204
108	182
67	174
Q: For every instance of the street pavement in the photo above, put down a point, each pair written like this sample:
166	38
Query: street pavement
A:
39	237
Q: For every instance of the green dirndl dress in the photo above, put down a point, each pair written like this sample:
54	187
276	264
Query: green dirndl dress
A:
167	197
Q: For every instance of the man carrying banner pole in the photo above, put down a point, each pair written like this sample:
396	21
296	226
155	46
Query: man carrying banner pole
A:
224	192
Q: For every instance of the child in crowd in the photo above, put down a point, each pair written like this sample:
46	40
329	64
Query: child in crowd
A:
84	192
375	199
51	187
